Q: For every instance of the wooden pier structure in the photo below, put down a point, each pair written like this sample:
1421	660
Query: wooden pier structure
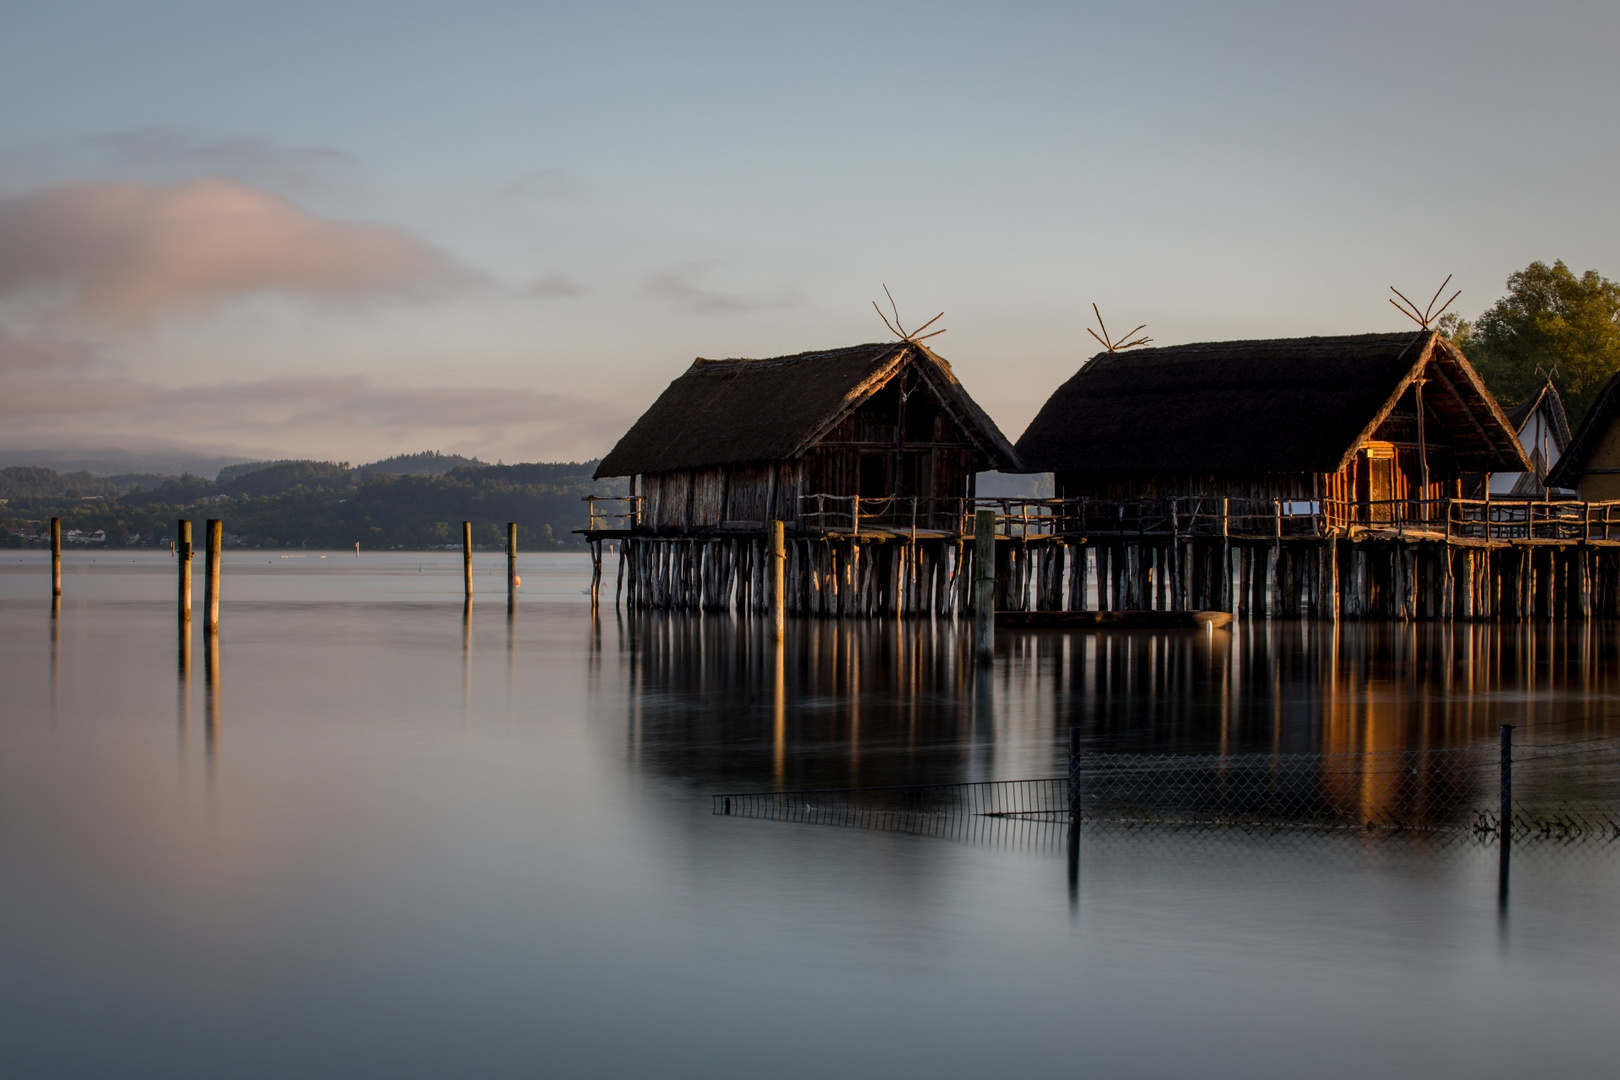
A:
1322	478
1454	559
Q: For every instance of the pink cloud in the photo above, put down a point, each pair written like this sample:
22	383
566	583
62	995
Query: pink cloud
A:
35	352
129	251
344	416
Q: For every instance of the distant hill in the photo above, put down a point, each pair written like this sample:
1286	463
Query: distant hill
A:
535	473
33	481
323	504
276	477
426	463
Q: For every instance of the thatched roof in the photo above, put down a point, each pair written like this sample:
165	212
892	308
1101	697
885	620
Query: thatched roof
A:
1599	418
729	412
1287	405
1519	415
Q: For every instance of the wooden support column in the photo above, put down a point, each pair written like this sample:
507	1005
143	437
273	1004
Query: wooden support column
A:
56	557
984	586
1273	584
1232	578
466	559
1583	583
778	580
1448	583
1527	583
212	532
512	574
1470	583
1191	587
1330	580
182	553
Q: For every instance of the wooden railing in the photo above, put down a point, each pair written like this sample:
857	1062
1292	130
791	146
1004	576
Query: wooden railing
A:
1489	520
891	513
600	520
1189	517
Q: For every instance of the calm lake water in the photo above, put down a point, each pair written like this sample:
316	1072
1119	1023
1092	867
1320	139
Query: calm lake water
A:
365	838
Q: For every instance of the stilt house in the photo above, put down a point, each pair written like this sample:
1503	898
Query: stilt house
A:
1543	430
850	448
732	444
1354	431
1309	476
1590	465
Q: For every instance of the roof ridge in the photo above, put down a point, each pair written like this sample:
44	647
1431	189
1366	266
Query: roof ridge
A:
1246	344
799	356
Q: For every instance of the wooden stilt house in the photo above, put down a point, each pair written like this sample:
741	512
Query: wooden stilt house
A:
1358	431
1320	476
867	454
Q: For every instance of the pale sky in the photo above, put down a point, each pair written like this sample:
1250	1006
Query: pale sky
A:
347	230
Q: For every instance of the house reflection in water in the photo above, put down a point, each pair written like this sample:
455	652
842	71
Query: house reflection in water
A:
875	702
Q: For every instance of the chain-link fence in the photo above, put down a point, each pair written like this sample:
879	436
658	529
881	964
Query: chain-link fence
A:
990	810
1566	790
1562	791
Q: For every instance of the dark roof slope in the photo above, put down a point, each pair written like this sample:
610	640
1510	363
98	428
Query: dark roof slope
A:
1518	415
726	412
1285	405
1567	473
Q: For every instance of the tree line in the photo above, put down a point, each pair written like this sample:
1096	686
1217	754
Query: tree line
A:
1552	322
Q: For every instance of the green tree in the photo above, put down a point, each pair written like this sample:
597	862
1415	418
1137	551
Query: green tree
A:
1549	321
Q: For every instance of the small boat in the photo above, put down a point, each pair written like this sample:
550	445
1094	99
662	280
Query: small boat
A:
1113	620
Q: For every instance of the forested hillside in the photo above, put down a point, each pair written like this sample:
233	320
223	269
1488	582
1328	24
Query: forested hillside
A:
309	504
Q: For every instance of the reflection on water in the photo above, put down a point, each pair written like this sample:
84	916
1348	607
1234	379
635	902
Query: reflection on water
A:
211	709
851	704
436	843
834	704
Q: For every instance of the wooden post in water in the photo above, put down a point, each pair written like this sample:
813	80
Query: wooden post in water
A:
212	532
182	552
56	556
778	580
984	586
466	556
511	564
596	573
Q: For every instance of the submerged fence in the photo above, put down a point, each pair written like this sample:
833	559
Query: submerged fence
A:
1566	791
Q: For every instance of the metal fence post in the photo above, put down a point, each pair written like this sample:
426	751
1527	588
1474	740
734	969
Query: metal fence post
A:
1506	807
1074	774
